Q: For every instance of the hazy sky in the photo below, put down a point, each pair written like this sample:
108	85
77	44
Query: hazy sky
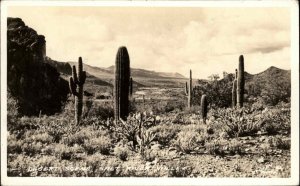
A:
206	40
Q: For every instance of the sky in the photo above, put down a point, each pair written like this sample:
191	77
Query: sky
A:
166	39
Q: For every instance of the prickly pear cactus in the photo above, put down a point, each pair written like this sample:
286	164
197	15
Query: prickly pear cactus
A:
76	83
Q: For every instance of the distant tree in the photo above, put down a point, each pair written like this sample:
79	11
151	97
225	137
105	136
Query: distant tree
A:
214	77
218	92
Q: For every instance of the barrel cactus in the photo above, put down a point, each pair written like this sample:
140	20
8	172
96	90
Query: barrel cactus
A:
121	88
204	105
76	83
240	83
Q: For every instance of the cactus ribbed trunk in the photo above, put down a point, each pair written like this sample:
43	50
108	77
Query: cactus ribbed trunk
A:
203	108
240	83
130	87
234	87
190	91
186	88
76	83
121	88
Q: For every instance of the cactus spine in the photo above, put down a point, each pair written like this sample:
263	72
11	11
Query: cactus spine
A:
76	86
121	88
234	88
240	82
190	91
204	108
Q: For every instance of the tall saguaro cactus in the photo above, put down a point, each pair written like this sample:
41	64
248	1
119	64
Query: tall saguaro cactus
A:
234	87
76	86
204	107
121	88
240	82
186	88
130	87
190	90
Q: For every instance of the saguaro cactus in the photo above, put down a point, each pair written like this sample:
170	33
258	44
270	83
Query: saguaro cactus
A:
234	87
204	107
240	82
76	86
130	87
121	88
186	88
190	90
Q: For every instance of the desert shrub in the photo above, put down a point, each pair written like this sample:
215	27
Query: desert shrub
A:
132	128
14	145
279	143
32	149
214	147
218	92
238	122
62	152
179	169
19	166
235	147
165	133
101	144
277	120
102	110
37	136
149	155
102	168
121	152
190	137
160	106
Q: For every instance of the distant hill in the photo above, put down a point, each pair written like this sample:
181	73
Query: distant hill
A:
108	72
273	85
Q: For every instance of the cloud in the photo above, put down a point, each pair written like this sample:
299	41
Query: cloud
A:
206	40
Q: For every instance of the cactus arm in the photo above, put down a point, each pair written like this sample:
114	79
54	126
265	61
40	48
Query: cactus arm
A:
74	74
72	86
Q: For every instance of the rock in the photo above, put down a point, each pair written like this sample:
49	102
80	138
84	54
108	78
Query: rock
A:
36	85
261	160
156	147
172	149
278	168
262	138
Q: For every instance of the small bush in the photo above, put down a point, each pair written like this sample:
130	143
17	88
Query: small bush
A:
121	152
101	144
179	169
165	133
32	149
14	146
190	138
149	155
279	143
214	148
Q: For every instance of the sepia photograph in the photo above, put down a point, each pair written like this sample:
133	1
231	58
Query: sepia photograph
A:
148	89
